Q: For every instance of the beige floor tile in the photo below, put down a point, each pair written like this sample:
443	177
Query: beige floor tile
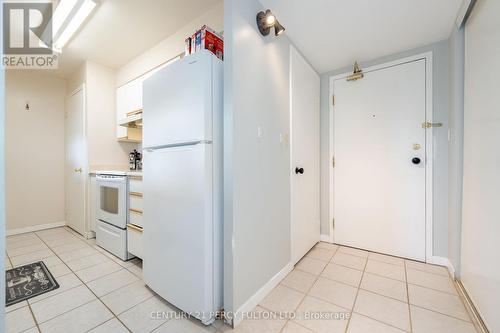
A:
36	246
23	244
126	297
111	282
111	326
312	266
76	254
310	307
320	254
56	305
137	270
129	263
435	269
18	239
19	320
425	321
7	263
387	259
384	286
32	330
348	260
326	246
78	320
387	270
334	292
86	262
343	274
437	301
97	271
292	327
16	306
353	251
52	261
139	319
76	245
299	280
66	282
259	321
61	241
362	324
282	299
59	270
183	325
429	280
384	309
31	257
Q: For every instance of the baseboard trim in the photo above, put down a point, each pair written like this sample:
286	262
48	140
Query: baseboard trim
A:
39	227
253	301
443	261
325	238
478	322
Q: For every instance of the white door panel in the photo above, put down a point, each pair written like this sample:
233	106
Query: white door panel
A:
178	241
178	111
305	210
379	193
76	161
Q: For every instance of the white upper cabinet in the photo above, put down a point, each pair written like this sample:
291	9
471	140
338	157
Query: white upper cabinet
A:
128	99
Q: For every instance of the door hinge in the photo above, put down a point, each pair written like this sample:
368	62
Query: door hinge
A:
333	162
333	99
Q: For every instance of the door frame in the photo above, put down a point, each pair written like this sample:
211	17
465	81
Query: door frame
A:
429	145
85	167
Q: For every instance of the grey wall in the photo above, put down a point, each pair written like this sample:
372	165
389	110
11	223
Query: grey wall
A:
441	93
455	153
256	170
2	179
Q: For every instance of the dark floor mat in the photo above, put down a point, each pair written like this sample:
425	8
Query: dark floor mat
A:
27	281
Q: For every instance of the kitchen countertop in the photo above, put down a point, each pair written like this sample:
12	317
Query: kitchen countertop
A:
126	172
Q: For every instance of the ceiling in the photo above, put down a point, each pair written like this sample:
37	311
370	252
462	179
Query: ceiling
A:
333	33
120	30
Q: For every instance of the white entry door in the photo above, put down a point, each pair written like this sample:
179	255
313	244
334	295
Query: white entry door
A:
380	157
76	161
305	211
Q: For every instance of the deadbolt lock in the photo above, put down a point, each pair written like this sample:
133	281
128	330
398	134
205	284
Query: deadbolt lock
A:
416	146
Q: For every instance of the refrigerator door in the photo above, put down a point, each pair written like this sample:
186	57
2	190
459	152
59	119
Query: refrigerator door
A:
177	102
178	242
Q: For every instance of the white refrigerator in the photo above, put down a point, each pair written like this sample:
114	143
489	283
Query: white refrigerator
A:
182	179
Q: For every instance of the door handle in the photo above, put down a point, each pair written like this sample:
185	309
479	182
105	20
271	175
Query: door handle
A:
78	170
299	170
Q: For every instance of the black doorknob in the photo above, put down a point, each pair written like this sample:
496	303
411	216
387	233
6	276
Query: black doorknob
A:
299	170
415	160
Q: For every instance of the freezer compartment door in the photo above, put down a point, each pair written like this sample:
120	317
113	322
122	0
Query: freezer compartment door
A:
177	102
178	261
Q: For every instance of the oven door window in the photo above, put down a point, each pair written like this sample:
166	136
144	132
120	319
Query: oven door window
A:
109	199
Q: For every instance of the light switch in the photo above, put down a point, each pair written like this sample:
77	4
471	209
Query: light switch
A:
260	132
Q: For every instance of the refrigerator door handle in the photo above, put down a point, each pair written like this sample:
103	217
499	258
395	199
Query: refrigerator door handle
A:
177	145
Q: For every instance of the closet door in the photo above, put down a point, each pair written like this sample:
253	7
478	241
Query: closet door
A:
480	260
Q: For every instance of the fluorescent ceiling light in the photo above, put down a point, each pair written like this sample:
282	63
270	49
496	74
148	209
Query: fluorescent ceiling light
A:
68	17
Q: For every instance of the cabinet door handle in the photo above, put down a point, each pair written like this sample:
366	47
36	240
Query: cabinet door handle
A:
134	227
136	211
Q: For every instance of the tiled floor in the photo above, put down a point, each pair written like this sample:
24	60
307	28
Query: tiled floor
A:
363	292
332	289
98	292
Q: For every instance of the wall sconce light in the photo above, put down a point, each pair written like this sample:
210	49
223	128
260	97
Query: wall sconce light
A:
266	20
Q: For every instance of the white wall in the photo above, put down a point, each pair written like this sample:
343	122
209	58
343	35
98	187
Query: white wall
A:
34	149
257	179
480	253
104	151
170	47
441	87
